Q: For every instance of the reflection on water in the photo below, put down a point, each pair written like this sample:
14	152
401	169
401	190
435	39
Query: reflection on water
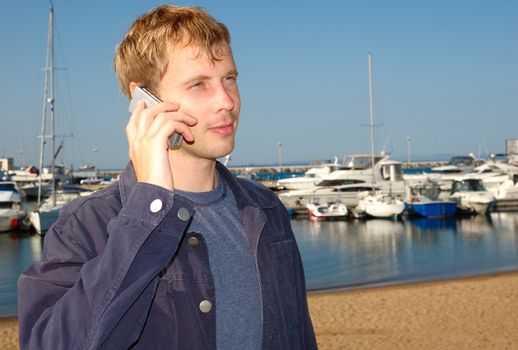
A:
17	252
352	253
374	252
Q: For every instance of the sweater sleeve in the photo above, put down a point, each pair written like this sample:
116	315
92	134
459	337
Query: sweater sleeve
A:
97	279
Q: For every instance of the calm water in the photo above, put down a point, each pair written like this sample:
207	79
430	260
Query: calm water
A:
376	252
353	254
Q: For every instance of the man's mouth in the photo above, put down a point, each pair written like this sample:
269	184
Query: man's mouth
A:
224	129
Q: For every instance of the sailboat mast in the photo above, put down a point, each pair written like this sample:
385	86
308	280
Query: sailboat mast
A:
52	104
371	112
48	67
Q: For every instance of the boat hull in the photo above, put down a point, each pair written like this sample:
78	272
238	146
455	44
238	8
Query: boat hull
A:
434	209
327	212
9	222
386	211
379	206
41	221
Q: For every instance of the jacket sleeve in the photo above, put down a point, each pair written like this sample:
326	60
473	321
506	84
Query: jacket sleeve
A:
87	290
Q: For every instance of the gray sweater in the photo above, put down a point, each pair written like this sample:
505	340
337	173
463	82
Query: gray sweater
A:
238	307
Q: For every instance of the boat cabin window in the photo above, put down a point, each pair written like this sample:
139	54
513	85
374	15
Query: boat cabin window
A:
329	183
353	189
468	186
361	162
461	160
447	171
7	187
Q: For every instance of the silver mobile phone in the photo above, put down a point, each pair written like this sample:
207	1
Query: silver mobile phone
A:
143	94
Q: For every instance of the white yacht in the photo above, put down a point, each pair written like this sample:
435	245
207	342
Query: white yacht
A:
28	179
471	196
500	179
44	215
346	186
507	189
11	211
330	211
379	206
444	175
310	178
325	195
358	167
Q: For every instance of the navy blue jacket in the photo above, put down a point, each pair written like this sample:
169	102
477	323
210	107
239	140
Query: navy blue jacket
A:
119	272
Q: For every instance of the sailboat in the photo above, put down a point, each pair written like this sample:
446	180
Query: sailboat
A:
46	212
378	205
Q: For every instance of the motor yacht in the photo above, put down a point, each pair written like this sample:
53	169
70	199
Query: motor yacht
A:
471	196
310	178
11	210
345	186
423	200
444	175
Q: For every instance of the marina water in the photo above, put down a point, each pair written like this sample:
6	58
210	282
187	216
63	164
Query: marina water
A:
352	254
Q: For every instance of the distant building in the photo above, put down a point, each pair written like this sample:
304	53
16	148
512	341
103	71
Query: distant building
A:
511	146
6	164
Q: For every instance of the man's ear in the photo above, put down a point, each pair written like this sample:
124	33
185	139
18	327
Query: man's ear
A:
132	87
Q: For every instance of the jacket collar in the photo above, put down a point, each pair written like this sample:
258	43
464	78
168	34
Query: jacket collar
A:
246	194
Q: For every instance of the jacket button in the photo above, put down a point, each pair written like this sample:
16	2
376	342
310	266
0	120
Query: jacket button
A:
205	306
155	206
183	214
193	241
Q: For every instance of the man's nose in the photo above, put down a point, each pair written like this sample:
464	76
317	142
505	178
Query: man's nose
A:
225	98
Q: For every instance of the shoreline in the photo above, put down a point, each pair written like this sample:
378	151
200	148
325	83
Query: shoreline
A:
472	312
389	284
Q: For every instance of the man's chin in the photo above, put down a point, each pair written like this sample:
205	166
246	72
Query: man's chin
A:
223	151
212	152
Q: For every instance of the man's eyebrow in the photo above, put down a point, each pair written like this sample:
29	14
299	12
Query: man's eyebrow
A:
232	72
196	78
202	77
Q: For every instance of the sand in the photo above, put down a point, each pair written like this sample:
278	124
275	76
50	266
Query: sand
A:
471	313
474	313
8	333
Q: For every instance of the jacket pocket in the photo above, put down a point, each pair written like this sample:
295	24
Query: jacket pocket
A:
288	275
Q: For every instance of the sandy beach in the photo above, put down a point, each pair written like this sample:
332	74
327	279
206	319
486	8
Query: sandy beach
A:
8	333
470	313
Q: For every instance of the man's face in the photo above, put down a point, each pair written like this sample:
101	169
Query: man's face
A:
206	90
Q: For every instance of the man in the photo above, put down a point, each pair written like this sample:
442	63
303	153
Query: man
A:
179	254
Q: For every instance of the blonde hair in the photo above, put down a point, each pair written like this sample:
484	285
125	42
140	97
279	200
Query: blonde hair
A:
142	56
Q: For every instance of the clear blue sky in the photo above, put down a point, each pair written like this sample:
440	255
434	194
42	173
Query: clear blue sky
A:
445	74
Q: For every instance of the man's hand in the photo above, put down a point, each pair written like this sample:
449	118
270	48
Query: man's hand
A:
148	132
